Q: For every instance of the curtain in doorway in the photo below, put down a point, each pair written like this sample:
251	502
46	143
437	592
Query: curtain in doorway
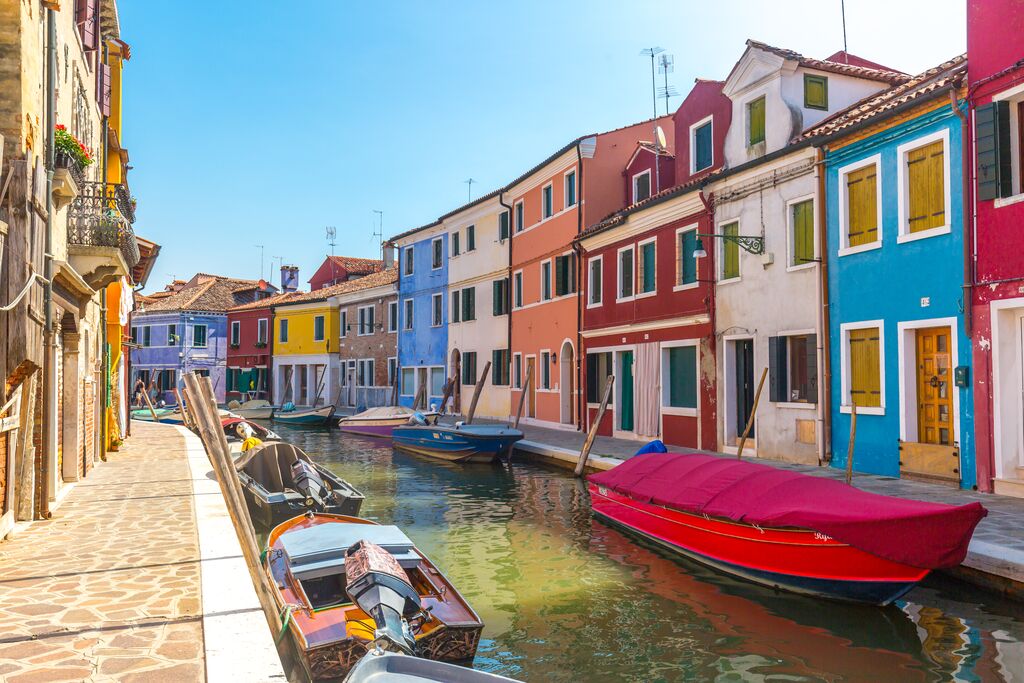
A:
645	378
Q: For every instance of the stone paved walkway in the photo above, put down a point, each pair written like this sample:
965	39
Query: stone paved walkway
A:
109	588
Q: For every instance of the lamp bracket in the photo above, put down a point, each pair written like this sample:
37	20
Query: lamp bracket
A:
753	244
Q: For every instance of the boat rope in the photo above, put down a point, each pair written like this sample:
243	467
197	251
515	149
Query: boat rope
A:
286	617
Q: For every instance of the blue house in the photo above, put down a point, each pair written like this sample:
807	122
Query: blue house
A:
422	312
184	328
899	351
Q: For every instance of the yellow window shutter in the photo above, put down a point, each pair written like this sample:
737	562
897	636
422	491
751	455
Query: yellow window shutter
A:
730	252
926	182
865	370
803	232
862	206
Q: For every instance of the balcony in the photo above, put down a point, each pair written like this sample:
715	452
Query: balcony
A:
101	244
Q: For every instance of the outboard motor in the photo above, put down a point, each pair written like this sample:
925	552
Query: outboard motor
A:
380	587
309	483
417	419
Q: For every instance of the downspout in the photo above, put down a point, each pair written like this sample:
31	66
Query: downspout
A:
508	295
49	395
709	203
580	405
824	343
104	352
968	279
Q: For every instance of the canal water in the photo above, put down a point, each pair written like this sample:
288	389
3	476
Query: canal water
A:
566	598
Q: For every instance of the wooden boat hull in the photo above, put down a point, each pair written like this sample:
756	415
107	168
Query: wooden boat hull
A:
363	424
270	509
797	560
462	445
309	418
264	413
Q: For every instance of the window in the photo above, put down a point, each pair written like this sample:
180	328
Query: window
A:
283	331
135	335
599	366
168	379
755	121
625	273
236	332
262	326
863	369
456	308
815	91
344	323
519	216
318	328
999	133
545	369
702	150
517	370
686	264
545	280
408	260
436	381
367	314
499	297
679	366
468	368
392	370
392	316
408	382
499	367
594	281
364	372
408	314
565	274
518	279
793	368
147	336
437	310
437	246
471	238
503	225
647	268
801	232
859	212
172	335
198	336
730	252
468	304
570	189
641	186
455	244
924	207
547	201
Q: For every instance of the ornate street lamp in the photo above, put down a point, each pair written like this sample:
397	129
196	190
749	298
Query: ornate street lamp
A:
753	244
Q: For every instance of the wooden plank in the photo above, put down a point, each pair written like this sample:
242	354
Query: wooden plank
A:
753	412
588	444
522	395
476	393
930	462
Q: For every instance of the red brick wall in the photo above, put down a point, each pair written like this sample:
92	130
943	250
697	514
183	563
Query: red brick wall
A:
3	470
89	431
379	346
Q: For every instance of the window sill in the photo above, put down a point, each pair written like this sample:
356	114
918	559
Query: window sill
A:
797	405
679	412
647	295
849	251
624	300
864	411
730	281
1000	202
599	304
689	285
802	266
923	234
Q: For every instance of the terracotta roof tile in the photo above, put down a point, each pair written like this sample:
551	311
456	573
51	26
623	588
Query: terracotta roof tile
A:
265	302
378	279
850	69
212	293
358	266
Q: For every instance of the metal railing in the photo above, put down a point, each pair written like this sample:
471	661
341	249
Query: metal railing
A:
96	219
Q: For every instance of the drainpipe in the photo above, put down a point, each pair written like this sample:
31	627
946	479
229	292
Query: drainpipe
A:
824	343
968	281
49	394
508	294
580	405
710	282
104	353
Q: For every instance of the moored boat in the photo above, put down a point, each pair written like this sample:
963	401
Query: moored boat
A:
233	429
171	416
346	582
256	409
457	443
312	417
379	422
783	529
279	481
380	666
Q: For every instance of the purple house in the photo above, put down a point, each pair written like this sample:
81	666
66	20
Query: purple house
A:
184	328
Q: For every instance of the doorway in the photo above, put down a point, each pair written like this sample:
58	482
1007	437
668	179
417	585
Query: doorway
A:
531	390
456	375
743	358
567	381
934	396
626	391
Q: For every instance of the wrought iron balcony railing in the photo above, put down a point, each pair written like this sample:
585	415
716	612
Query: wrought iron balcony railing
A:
95	219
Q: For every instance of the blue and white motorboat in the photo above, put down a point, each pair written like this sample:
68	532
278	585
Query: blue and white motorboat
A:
458	442
313	417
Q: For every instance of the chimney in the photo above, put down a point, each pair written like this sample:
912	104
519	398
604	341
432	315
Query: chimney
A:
289	278
388	250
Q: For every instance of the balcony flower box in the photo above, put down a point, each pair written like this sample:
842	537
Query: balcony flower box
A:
261	345
233	346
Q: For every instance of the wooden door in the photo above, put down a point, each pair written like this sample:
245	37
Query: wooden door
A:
934	392
531	398
626	391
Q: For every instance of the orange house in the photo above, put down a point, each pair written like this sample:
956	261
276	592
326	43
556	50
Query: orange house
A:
549	206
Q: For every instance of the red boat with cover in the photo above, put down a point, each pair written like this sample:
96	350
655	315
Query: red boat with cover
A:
781	528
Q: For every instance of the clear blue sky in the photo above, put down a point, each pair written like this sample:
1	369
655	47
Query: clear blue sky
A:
258	122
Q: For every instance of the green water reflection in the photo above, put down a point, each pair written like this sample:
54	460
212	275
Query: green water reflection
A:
566	598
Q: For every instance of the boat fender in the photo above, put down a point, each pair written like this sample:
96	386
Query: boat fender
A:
655	446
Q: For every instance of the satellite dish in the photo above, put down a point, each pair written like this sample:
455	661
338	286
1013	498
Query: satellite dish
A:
662	144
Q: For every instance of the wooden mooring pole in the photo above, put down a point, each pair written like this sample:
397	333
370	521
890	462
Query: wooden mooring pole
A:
581	464
753	412
853	440
522	396
476	393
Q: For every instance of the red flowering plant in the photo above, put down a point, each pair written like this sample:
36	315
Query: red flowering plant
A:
65	142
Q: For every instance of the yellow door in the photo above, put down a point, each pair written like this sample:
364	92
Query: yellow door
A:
934	394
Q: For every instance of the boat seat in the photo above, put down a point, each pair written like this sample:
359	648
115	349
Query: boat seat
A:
270	464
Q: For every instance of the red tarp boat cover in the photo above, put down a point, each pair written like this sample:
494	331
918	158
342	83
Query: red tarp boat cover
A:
926	535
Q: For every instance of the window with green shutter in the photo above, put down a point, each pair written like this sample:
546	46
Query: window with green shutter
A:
499	296
682	376
730	260
455	243
926	187
755	121
648	268
471	238
599	366
565	274
686	264
456	313
503	225
468	304
499	367
815	91
469	368
862	206
802	237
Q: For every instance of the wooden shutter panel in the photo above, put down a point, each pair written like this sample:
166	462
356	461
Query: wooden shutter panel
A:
811	358
777	371
992	130
927	201
86	18
865	381
559	275
103	88
862	206
456	307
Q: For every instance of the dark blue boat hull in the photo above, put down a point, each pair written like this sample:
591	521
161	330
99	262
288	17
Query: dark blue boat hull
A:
468	443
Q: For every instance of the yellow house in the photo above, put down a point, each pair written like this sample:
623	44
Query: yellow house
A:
305	361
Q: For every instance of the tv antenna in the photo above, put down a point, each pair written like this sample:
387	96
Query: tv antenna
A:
332	233
653	52
260	247
469	190
666	65
377	232
842	9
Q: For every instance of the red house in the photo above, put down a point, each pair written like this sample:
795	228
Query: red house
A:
648	309
337	269
248	359
996	197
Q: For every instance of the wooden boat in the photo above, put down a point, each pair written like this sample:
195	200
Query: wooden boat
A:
379	666
380	422
338	604
171	416
232	426
313	417
457	443
783	529
253	410
279	481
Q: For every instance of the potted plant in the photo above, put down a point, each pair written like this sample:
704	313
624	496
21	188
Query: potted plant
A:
70	152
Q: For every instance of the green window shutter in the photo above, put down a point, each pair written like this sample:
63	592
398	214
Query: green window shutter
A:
811	357
503	225
687	263
803	232
778	373
815	92
496	297
559	276
682	367
730	252
471	238
756	114
496	367
456	308
992	148
647	253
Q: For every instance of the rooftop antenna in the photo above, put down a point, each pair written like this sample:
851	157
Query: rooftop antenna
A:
378	233
260	247
666	65
332	233
842	9
652	52
469	190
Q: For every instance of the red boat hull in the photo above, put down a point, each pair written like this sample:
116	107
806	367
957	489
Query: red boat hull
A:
797	560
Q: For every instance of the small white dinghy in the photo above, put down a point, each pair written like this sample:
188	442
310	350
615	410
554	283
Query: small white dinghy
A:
257	409
378	666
